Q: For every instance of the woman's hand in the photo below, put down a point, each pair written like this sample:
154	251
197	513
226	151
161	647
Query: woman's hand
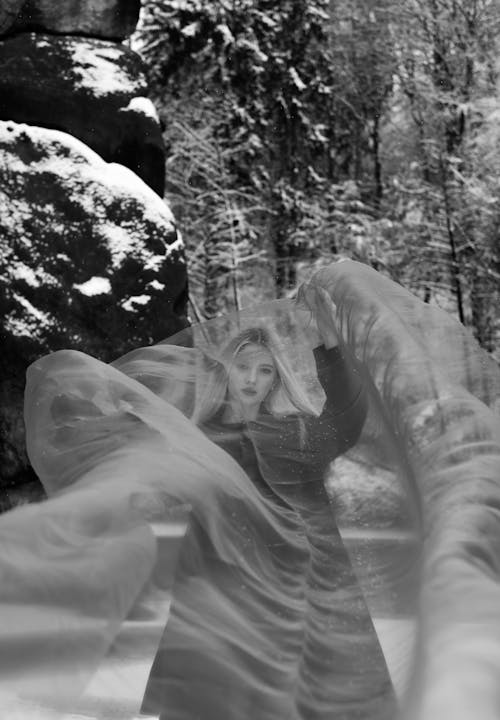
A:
323	310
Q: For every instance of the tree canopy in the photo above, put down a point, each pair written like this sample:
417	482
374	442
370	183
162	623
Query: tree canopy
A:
304	130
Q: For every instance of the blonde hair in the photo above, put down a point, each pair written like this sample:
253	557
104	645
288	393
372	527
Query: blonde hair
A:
286	397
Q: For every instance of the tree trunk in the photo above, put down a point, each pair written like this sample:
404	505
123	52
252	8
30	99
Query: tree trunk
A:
483	311
377	165
455	261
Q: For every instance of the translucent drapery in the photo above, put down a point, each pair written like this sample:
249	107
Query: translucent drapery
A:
415	500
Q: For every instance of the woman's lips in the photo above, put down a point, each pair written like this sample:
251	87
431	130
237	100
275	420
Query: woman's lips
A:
249	391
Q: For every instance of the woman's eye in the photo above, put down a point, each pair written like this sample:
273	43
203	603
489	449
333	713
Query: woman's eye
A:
241	366
266	371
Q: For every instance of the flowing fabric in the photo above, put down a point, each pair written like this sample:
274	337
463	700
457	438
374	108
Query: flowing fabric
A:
286	601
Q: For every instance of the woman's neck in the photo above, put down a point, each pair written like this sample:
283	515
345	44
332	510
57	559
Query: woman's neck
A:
233	413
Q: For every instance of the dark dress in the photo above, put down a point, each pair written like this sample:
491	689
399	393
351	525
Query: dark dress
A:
309	649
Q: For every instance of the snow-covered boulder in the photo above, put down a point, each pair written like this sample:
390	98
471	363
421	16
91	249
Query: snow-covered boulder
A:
89	259
93	89
113	19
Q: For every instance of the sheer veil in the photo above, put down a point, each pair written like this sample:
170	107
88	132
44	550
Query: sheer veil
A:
143	506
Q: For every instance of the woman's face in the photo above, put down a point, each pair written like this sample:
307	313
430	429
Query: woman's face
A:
251	376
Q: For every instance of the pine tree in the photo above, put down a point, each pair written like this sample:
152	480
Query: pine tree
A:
276	70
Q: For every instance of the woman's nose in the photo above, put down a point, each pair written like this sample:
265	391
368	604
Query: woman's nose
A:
252	376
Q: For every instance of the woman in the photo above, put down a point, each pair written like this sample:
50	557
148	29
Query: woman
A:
312	651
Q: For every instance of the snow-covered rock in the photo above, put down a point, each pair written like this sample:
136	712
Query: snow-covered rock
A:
90	259
113	19
93	89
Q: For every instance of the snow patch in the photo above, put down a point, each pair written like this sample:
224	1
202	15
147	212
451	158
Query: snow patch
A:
191	30
154	208
48	141
20	328
20	271
225	32
41	42
135	300
31	309
297	80
16	212
156	285
94	286
319	131
32	322
144	106
99	71
254	48
154	262
120	242
177	245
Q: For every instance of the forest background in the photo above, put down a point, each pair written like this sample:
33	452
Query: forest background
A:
302	131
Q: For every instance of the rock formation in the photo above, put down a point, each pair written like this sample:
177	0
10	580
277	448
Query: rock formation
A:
90	244
93	89
90	260
89	253
112	19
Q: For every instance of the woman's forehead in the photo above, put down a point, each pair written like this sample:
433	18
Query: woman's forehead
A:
255	353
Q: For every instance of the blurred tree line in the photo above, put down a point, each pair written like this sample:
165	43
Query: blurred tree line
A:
304	130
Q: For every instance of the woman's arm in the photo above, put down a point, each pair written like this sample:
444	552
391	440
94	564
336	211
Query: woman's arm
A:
340	423
345	408
340	377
